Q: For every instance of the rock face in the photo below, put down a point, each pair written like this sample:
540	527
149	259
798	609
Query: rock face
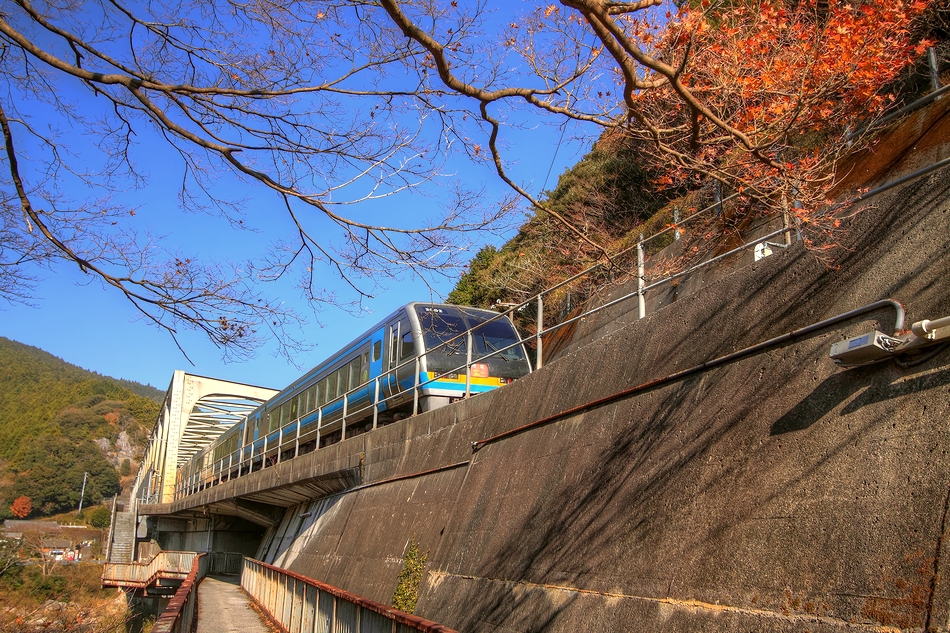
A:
776	493
105	446
123	449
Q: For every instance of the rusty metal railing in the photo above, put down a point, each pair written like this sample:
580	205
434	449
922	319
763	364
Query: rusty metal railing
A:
179	615
167	565
297	604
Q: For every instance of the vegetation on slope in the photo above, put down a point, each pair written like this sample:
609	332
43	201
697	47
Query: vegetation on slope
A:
58	421
607	194
625	186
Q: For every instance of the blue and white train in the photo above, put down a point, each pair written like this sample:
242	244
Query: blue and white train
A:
413	360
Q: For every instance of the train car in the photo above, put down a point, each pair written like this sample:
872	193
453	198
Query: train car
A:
413	360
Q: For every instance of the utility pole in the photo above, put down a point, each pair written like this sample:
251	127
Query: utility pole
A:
83	493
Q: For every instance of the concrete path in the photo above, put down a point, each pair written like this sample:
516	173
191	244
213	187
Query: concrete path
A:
223	608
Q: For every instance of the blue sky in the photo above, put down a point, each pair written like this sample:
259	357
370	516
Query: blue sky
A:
73	317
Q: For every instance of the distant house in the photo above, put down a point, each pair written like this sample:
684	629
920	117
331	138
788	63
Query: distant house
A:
56	547
54	540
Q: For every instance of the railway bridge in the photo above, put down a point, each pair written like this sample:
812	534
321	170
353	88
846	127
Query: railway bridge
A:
691	459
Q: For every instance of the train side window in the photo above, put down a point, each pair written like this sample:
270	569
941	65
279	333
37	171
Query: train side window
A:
364	370
341	387
377	350
322	392
284	414
311	398
331	387
408	346
355	372
294	408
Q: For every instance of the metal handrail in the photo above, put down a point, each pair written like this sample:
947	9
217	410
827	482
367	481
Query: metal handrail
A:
179	615
111	528
298	603
166	564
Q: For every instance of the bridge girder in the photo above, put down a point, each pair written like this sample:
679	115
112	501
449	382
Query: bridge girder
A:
195	412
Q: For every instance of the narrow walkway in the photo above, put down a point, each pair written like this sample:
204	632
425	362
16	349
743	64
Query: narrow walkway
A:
223	608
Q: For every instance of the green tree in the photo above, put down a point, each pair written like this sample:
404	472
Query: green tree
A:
474	288
99	517
50	472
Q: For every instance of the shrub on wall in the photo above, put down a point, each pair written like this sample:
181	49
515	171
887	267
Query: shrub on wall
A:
407	586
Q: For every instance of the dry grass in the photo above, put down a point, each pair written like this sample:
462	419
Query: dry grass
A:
68	600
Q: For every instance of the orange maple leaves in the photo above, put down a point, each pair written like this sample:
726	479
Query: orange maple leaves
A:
774	70
21	507
786	83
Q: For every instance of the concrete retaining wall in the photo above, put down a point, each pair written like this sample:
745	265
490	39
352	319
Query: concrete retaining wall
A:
778	493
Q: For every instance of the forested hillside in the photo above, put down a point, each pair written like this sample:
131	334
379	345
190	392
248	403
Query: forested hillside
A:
58	421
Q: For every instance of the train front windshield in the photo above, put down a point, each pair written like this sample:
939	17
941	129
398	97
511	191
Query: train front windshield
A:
443	324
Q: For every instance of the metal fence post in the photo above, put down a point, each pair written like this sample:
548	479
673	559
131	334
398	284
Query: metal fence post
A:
415	389
641	282
343	419
539	356
375	402
319	425
934	68
797	204
287	603
308	617
468	363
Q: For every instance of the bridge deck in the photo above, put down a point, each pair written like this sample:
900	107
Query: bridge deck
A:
224	608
